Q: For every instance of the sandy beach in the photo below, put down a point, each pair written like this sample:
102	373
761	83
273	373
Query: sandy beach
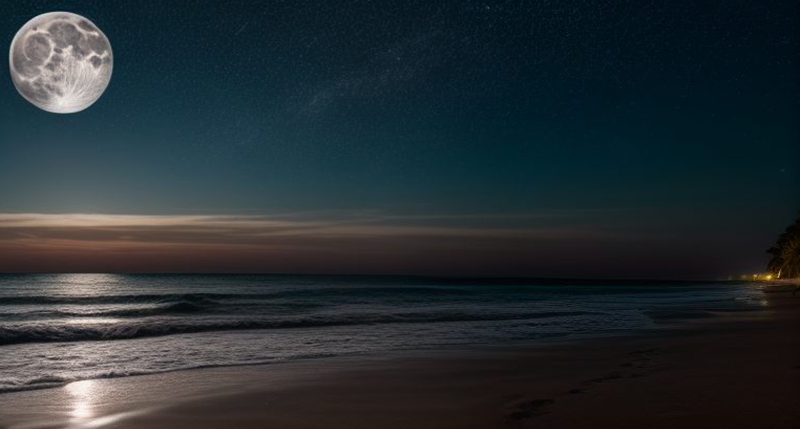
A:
736	370
400	214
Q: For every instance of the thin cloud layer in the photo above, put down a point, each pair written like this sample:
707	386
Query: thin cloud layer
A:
324	242
254	229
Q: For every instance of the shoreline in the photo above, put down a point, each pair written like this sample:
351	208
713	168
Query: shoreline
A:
554	385
665	322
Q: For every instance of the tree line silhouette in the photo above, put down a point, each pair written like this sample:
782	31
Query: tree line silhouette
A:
785	260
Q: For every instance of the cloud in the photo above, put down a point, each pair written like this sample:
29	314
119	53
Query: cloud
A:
258	228
357	241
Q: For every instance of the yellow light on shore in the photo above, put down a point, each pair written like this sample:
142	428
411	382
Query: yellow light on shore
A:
764	277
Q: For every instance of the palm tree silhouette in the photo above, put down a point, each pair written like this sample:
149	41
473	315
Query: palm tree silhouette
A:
785	260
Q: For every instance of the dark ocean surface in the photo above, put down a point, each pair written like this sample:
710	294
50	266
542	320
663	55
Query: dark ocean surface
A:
59	328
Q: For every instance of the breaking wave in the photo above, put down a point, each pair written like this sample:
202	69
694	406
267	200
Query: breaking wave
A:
41	332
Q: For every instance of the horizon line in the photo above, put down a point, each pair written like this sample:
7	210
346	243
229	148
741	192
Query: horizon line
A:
397	275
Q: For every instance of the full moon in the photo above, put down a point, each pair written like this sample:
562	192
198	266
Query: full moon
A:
61	62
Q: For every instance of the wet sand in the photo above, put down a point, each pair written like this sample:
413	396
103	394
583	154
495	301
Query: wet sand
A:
737	370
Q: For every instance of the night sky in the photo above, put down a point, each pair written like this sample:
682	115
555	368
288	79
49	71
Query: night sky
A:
653	139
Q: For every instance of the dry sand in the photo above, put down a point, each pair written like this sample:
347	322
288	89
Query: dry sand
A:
738	370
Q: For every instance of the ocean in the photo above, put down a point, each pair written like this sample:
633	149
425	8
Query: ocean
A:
59	328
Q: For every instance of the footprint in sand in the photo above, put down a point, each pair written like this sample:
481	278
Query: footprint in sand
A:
528	409
645	352
644	356
612	376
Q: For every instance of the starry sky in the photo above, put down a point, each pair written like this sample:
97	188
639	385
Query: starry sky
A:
503	138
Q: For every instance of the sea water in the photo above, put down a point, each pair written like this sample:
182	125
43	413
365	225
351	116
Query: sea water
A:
60	328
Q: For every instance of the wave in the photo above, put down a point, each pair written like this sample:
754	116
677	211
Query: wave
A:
381	293
49	381
197	298
39	332
215	297
45	382
141	310
176	308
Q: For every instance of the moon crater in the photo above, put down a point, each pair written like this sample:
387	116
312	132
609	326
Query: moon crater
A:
61	62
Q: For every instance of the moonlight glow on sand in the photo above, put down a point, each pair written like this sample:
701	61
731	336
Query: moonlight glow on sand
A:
61	62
